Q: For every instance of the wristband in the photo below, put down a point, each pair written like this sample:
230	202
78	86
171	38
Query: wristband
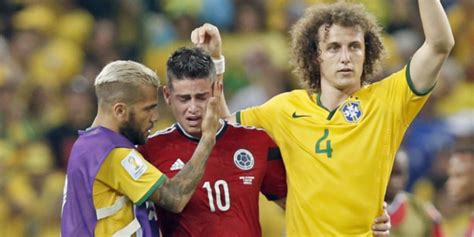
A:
220	65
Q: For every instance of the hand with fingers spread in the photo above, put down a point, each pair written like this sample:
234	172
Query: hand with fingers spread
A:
210	123
208	38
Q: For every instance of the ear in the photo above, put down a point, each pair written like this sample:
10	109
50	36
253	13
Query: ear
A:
120	111
167	94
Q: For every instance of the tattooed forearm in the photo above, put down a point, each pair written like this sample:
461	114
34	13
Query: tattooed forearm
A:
167	196
175	193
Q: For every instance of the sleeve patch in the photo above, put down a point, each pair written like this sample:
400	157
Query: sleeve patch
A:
134	165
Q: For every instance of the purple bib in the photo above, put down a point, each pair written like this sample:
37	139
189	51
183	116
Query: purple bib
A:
79	216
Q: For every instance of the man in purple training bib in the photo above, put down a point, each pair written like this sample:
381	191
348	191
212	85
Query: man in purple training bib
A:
108	181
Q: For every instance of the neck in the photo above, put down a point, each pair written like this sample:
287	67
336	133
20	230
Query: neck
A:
331	97
330	101
104	121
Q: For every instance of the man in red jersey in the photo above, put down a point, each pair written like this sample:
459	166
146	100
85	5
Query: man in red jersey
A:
244	163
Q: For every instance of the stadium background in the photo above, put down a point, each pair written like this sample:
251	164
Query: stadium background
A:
51	50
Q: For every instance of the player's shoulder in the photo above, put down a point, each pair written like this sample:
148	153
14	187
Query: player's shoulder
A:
399	74
285	99
120	153
238	126
298	93
244	130
163	132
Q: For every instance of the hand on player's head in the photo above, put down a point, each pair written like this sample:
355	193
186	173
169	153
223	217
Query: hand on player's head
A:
208	37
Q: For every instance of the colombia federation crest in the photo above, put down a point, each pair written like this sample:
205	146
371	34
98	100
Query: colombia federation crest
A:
243	159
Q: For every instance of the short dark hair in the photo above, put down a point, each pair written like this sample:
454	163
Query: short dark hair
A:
189	63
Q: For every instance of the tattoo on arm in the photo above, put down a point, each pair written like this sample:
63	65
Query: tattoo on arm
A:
175	193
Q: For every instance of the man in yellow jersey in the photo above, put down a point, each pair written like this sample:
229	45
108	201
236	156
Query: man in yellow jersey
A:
212	43
338	137
107	179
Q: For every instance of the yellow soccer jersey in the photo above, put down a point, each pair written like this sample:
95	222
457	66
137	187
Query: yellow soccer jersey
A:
123	173
338	162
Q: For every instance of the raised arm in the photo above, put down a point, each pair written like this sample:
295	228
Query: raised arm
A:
208	37
175	193
428	59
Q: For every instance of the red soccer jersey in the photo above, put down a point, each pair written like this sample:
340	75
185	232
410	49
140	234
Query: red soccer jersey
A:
244	162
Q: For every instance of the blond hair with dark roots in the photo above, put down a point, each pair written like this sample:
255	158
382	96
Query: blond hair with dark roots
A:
121	81
305	40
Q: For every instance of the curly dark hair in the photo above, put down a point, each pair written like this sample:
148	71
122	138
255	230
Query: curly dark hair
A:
189	63
305	40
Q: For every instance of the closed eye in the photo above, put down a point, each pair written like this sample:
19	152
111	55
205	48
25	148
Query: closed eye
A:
183	98
203	96
151	107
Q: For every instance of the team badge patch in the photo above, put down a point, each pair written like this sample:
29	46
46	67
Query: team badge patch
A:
244	159
134	165
351	111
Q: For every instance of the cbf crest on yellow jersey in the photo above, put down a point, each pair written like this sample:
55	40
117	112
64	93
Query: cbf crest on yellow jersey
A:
351	111
338	162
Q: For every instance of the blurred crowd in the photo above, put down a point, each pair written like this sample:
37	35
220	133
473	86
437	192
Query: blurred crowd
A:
51	51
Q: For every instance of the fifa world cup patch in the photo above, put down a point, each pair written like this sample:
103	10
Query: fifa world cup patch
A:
134	165
351	110
243	159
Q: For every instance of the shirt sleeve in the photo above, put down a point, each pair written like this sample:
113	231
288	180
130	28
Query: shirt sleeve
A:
401	96
274	185
262	116
126	171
